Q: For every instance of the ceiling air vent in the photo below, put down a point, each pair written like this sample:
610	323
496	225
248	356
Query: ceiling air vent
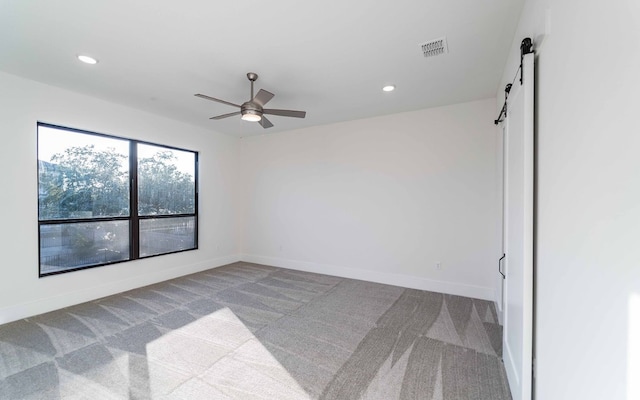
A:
435	47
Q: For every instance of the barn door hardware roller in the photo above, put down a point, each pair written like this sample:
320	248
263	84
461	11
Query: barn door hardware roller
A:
507	89
526	47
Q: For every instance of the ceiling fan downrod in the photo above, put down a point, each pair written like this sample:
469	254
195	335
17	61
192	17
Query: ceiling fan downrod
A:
252	77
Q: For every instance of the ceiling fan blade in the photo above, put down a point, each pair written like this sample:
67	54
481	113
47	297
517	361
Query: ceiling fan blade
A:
263	97
204	96
265	122
285	113
226	115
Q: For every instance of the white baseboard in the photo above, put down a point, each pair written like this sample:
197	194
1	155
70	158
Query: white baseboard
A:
25	310
500	314
407	281
514	379
497	300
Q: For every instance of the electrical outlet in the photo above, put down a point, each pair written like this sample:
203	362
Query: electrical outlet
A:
438	265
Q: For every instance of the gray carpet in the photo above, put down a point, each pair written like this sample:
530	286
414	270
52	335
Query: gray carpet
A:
247	331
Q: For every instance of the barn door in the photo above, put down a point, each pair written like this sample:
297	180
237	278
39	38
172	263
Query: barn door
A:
518	233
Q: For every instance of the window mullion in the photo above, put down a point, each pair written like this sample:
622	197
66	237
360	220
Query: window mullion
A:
134	238
196	197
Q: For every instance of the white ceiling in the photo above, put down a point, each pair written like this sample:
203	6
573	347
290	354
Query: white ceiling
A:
329	58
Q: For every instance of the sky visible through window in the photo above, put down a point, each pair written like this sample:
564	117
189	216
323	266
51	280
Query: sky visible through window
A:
184	161
55	141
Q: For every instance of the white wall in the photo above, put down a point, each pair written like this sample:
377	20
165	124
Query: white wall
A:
588	202
380	199
22	104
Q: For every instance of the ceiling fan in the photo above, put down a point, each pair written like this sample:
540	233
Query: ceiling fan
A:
253	110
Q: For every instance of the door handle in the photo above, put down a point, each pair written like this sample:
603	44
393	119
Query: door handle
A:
500	265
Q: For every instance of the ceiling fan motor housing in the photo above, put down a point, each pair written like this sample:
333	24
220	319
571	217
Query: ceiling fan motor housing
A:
251	108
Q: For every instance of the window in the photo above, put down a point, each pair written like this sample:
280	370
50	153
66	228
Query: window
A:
104	199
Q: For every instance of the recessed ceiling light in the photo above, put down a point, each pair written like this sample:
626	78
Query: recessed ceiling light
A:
87	59
389	88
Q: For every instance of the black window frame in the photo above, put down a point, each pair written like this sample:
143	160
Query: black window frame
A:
133	218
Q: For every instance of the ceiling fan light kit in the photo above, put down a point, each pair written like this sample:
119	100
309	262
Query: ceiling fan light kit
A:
251	116
253	110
